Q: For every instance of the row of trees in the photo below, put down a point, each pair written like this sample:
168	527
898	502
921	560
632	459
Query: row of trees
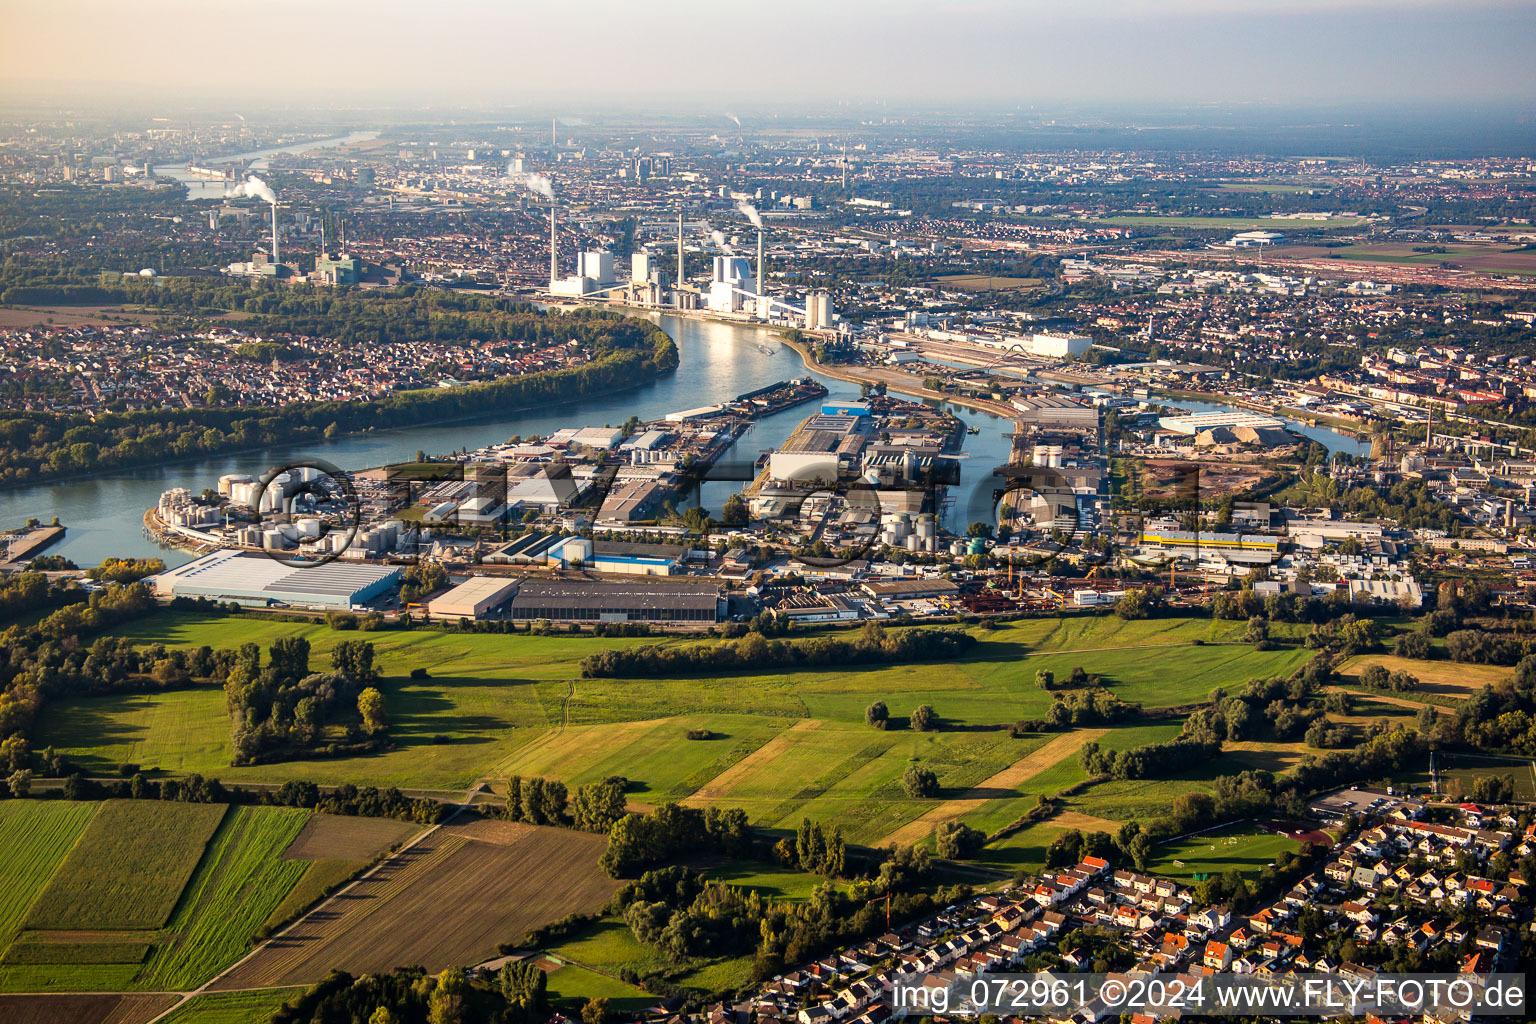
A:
346	799
1075	708
754	651
1149	761
536	801
516	994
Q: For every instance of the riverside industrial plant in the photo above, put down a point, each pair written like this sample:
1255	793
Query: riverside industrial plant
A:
491	558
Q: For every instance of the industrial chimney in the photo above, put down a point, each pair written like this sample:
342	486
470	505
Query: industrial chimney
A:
274	234
554	260
759	288
679	250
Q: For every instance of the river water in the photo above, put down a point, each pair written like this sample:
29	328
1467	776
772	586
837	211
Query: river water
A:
256	160
717	362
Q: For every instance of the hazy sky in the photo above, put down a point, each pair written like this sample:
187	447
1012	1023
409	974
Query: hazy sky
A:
702	55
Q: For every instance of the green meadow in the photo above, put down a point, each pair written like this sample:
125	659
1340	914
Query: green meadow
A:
783	744
138	894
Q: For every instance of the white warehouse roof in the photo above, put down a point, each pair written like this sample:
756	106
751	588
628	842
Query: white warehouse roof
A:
251	578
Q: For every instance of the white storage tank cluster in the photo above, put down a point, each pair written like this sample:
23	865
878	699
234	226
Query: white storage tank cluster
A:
1051	455
898	530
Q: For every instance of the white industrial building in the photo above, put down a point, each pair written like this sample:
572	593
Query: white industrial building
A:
1193	424
254	579
1251	239
473	598
1050	345
596	265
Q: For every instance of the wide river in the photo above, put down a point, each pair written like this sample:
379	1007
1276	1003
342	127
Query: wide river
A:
718	361
257	160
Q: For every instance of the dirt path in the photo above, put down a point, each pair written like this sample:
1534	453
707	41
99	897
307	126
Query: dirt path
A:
1022	770
1401	702
722	784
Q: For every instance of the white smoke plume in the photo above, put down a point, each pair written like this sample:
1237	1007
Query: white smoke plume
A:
253	188
733	117
750	212
540	184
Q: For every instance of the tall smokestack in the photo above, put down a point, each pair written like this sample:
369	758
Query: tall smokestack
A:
274	233
679	250
759	263
554	260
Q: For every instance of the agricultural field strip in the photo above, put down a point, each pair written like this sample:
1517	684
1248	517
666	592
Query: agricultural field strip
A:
39	837
292	955
242	878
451	909
1085	822
345	837
156	848
339	894
817	787
722	784
1021	771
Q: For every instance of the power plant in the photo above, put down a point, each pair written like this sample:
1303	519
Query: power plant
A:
736	285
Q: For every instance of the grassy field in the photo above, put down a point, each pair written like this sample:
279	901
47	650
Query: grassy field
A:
34	840
67	977
785	745
1244	848
1483	257
1468	768
34	948
1436	678
1229	223
571	986
239	883
128	869
231	1007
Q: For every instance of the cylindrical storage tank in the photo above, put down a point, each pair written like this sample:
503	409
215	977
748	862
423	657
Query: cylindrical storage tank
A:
228	480
914	543
273	540
978	546
957	547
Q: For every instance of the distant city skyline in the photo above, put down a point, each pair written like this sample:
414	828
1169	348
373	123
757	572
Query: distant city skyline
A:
697	55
